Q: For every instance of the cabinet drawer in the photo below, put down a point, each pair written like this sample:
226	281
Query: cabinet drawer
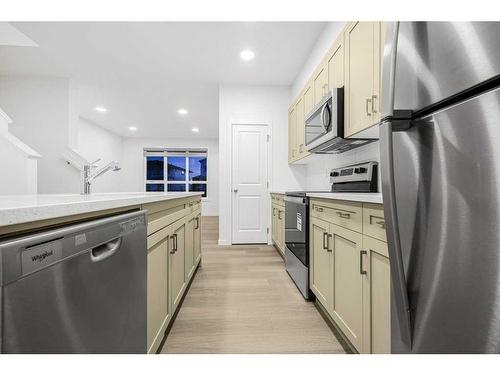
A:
347	215
374	222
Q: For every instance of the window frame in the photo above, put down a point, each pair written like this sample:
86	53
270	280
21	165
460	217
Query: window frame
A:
165	153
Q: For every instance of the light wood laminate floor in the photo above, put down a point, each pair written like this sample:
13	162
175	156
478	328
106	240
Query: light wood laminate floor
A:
243	301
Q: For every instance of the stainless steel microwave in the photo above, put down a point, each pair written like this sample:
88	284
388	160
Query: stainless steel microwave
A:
324	126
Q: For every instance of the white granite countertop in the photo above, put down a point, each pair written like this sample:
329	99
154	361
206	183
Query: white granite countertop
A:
354	197
282	192
17	209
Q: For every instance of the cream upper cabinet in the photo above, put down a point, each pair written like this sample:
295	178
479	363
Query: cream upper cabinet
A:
320	82
376	297
292	135
300	127
347	303
308	98
321	261
336	64
362	75
177	265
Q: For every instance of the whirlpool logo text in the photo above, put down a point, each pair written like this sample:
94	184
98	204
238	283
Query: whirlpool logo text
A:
42	256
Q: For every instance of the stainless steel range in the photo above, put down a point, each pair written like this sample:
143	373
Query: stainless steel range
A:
359	178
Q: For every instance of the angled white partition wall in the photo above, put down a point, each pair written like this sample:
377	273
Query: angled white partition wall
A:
18	162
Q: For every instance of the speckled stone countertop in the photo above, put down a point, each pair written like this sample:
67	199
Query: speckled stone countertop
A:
17	209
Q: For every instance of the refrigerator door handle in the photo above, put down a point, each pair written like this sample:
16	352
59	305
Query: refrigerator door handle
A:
398	279
399	286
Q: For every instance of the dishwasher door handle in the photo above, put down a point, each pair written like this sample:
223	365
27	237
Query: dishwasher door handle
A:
105	250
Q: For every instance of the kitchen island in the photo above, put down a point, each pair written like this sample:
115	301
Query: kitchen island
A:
172	240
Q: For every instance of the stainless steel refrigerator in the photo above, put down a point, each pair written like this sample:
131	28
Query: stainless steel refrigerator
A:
440	167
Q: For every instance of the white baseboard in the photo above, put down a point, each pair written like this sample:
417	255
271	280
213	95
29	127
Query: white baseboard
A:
224	243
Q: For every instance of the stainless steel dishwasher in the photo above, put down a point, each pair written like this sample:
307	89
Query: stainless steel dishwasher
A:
76	289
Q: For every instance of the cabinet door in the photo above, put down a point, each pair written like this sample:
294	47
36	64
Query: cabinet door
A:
158	303
362	75
281	229
376	297
308	98
189	248
274	229
347	306
292	135
177	267
197	238
320	261
300	128
336	64
320	82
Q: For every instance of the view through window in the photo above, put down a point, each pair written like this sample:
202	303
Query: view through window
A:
176	170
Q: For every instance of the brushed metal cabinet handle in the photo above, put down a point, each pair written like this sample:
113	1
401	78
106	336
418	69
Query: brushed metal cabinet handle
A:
343	215
172	251
381	223
319	209
374	107
368	105
325	238
328	243
361	270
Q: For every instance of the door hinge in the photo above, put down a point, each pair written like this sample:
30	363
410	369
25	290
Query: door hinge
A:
268	184
268	137
268	230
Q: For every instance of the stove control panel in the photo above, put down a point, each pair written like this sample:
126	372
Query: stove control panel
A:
357	177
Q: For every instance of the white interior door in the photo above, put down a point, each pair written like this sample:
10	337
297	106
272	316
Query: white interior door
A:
249	184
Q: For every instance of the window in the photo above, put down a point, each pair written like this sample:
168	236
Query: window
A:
176	170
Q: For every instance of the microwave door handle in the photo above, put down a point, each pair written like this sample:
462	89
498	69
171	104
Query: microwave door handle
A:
322	117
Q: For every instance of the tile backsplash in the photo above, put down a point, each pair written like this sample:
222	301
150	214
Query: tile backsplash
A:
319	166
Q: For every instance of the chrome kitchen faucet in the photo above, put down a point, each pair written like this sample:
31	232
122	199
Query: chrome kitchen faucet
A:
89	173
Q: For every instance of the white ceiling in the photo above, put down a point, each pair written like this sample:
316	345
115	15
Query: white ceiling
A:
143	72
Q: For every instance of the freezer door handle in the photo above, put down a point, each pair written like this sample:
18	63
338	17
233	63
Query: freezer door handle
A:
104	251
398	278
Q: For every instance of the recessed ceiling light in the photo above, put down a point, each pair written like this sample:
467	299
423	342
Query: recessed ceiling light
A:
182	111
247	55
132	128
101	109
195	130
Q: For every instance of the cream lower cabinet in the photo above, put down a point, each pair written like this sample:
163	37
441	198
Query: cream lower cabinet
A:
197	239
278	221
177	263
347	303
158	305
349	270
321	261
376	297
174	252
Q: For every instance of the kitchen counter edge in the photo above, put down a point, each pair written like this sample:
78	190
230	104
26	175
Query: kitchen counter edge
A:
52	206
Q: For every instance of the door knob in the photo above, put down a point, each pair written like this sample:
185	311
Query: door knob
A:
235	190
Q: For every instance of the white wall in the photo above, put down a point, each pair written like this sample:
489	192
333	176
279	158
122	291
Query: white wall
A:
257	104
94	142
318	166
39	108
132	162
